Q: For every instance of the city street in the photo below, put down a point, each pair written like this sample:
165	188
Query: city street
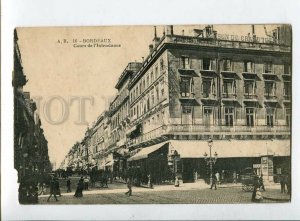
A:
191	193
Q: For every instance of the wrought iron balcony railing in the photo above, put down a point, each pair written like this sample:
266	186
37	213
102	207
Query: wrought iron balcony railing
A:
195	129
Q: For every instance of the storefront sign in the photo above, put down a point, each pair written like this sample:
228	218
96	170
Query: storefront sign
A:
256	166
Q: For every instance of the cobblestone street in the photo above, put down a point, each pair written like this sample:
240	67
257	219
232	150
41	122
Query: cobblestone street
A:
165	194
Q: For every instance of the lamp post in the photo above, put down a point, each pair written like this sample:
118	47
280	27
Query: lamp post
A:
210	160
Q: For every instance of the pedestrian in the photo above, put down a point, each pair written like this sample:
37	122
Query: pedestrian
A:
213	182
217	177
129	185
57	188
79	188
282	180
150	181
52	190
261	182
223	176
69	185
86	183
234	176
288	183
257	195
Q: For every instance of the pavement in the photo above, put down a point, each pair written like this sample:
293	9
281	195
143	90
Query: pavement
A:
185	193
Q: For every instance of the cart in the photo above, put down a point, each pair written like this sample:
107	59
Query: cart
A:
249	180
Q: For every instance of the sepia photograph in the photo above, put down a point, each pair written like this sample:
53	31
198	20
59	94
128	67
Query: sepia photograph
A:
153	114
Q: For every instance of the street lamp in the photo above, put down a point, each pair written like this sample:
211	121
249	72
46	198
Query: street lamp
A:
210	160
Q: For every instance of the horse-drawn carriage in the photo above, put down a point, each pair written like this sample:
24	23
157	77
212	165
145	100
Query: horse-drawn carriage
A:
249	179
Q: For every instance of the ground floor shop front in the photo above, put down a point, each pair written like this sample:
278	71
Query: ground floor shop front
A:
186	160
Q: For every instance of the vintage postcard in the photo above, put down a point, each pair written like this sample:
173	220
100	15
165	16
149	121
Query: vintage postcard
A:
191	114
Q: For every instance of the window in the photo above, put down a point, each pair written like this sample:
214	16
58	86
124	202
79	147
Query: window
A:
288	116
249	86
287	89
148	104
206	64
140	87
156	72
137	91
162	89
147	82
268	67
151	77
208	117
287	69
270	87
248	66
229	116
228	87
186	86
186	109
161	64
185	62
137	111
227	65
152	97
270	116
187	115
144	86
206	87
157	92
250	117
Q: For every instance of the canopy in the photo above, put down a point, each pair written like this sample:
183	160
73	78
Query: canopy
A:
232	148
143	153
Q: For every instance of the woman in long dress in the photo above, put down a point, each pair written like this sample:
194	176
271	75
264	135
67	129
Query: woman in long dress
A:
79	189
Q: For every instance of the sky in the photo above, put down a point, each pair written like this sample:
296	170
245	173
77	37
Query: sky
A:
58	72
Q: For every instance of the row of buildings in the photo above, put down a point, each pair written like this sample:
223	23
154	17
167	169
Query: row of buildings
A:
31	158
190	89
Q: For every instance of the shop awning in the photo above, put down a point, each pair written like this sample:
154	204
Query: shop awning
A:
143	153
233	148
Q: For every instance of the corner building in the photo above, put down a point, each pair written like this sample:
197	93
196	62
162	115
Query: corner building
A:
191	88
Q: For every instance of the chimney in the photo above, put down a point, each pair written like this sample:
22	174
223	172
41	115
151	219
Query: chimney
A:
150	48
253	33
155	39
169	30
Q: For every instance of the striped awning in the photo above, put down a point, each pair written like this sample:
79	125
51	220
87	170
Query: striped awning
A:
143	153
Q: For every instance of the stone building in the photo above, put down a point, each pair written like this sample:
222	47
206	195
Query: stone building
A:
31	158
192	88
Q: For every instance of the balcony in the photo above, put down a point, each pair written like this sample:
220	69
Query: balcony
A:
270	96
228	96
250	96
161	133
